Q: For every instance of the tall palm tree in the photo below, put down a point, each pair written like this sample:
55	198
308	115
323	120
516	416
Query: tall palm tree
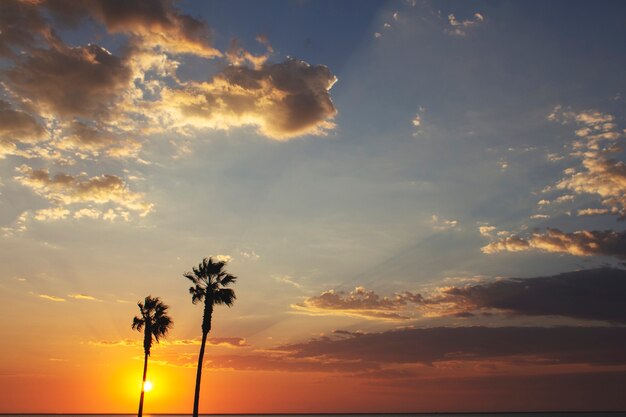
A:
209	285
156	323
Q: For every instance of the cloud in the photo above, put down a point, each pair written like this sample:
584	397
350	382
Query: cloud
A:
52	213
65	189
94	140
460	27
230	342
223	258
443	224
74	104
283	361
600	173
80	81
593	294
592	212
89	213
21	27
437	348
282	100
153	23
113	343
579	243
83	297
287	280
486	230
19	225
418	121
51	297
548	345
251	255
17	126
360	303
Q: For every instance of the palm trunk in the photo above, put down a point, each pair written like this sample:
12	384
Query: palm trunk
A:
196	399
143	384
206	328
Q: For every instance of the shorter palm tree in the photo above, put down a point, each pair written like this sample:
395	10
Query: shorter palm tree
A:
155	323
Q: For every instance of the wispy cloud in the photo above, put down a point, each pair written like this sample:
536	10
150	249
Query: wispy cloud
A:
287	280
83	297
51	297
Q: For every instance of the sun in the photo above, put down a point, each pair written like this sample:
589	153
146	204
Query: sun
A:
147	386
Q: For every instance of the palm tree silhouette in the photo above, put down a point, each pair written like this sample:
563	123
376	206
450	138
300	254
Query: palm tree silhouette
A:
156	323
210	282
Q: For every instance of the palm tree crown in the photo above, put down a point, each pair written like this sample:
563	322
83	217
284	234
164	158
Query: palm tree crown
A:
155	320
210	282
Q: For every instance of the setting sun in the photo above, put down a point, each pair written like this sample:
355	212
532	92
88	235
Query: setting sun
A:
147	386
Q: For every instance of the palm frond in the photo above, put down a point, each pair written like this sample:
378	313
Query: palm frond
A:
191	277
197	294
227	279
224	296
138	323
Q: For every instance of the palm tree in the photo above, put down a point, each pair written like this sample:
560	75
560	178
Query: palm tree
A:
156	323
210	282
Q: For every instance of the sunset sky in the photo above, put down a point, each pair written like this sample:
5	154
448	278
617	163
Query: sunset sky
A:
423	202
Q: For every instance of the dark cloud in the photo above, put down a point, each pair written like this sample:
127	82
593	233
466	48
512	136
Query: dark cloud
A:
547	345
81	81
17	126
154	23
360	302
579	243
443	351
594	294
21	27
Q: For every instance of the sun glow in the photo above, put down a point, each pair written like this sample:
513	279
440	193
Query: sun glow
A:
147	386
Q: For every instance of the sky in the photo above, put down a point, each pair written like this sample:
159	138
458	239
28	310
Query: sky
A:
423	202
